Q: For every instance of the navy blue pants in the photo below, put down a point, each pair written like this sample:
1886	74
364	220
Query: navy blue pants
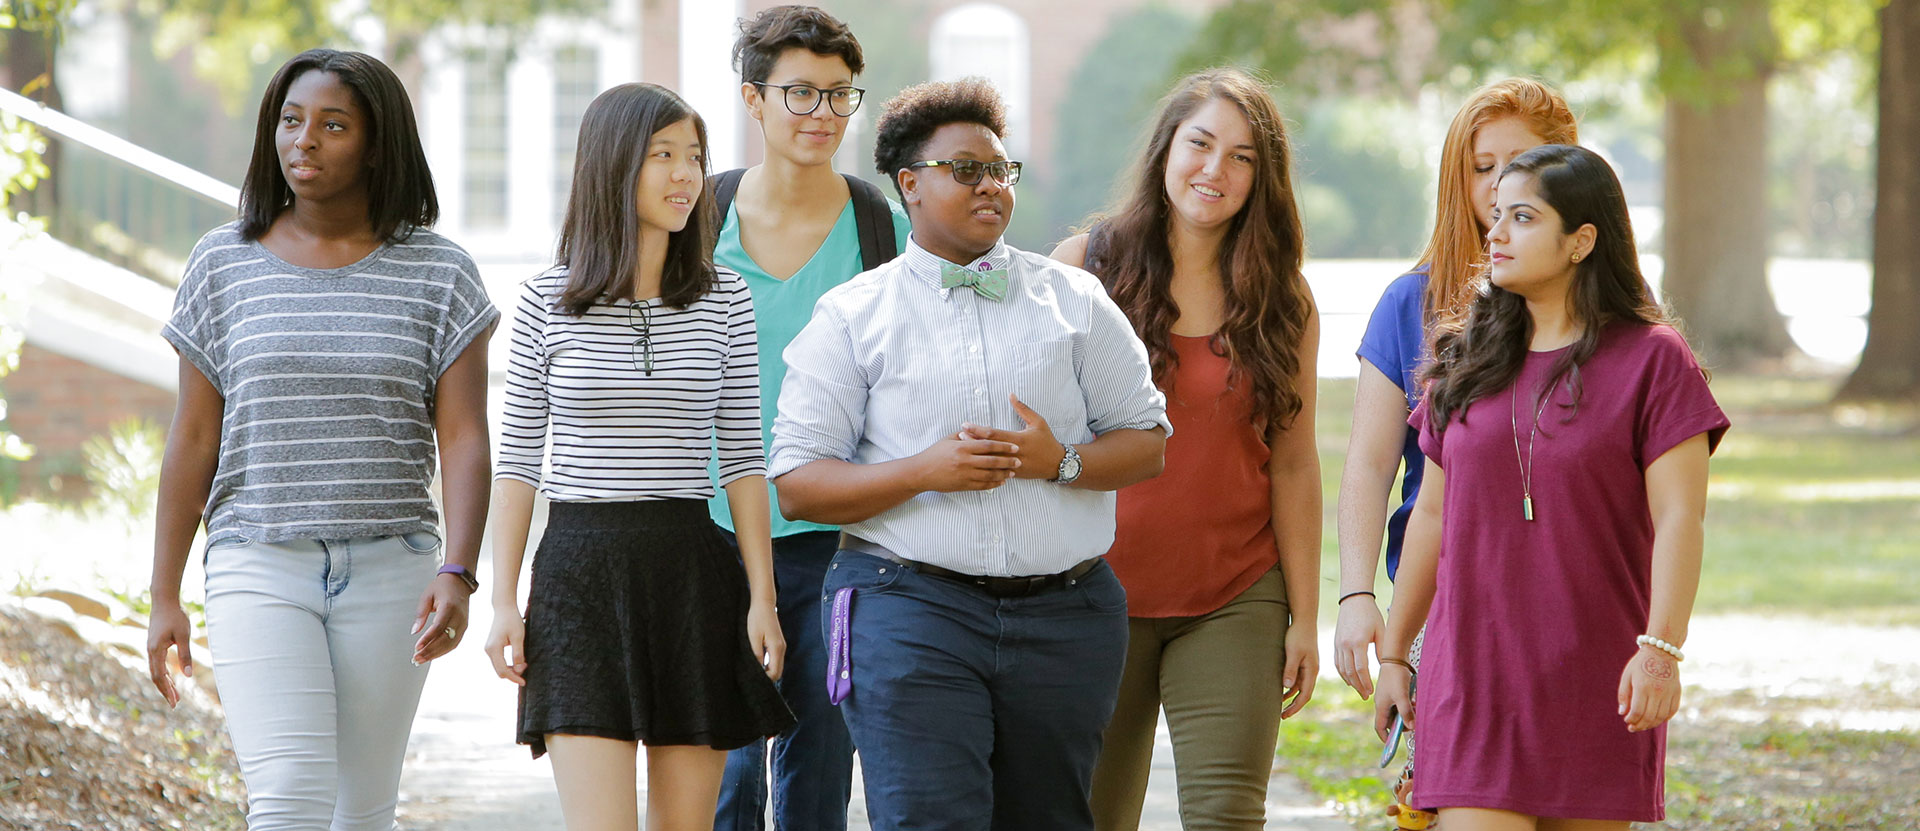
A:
812	763
974	712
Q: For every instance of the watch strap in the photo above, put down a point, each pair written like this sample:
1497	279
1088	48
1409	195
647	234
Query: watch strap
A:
465	574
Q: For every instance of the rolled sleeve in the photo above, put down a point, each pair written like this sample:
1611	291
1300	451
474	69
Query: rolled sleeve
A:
1115	375
823	401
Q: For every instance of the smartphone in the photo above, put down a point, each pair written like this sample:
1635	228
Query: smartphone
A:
1393	738
1398	730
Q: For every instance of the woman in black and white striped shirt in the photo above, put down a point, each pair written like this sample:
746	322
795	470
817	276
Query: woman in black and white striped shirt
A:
634	357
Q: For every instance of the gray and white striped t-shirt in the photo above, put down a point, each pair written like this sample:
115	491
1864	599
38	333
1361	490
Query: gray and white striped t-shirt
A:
329	379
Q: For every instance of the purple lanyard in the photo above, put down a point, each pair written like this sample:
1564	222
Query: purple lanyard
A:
840	648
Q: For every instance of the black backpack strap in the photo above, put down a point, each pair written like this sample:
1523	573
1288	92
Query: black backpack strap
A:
724	185
874	222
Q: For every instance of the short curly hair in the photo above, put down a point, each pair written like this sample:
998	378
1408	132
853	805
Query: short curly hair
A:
769	34
911	118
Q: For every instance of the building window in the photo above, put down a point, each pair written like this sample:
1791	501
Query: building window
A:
485	131
576	80
989	41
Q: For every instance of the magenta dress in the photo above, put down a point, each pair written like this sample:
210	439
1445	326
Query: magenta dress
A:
1532	622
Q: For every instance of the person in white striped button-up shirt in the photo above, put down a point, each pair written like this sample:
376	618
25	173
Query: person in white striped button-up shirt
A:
966	412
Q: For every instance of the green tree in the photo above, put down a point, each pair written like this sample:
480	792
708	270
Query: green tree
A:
1103	123
1710	59
229	40
22	167
1890	364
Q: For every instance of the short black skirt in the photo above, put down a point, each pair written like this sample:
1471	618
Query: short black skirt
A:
637	631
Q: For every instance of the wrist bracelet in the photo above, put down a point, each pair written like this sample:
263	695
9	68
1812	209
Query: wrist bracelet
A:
1399	663
1663	646
1349	595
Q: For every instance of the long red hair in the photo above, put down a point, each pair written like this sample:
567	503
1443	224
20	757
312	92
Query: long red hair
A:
1454	254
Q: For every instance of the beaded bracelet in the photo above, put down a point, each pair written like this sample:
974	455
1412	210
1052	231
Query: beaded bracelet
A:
1663	646
1349	595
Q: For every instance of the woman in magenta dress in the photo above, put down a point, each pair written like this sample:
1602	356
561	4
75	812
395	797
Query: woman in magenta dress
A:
1558	548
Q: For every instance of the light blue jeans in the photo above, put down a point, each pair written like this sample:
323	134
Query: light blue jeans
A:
313	657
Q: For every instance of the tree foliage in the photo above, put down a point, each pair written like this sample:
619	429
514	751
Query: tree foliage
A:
230	40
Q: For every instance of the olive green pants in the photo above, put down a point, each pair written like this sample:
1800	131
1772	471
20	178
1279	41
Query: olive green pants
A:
1219	677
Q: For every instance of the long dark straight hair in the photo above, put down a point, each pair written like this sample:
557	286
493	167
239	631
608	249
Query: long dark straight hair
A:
1267	301
399	199
1483	354
600	238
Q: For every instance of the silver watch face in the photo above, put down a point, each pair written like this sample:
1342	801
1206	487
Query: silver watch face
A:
1070	465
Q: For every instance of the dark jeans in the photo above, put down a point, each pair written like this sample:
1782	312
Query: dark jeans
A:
813	762
975	712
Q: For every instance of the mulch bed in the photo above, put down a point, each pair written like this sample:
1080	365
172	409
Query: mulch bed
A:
86	742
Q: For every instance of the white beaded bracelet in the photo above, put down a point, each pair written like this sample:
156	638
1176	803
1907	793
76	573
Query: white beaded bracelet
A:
1663	646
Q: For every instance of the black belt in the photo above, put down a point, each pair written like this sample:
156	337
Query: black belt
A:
992	586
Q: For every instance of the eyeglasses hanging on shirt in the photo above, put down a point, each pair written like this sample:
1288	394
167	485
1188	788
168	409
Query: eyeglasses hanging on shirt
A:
640	319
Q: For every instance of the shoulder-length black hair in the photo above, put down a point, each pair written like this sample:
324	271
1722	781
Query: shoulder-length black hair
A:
1268	303
1483	354
600	238
399	199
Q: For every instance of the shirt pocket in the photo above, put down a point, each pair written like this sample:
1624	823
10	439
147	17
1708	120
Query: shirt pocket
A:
1045	380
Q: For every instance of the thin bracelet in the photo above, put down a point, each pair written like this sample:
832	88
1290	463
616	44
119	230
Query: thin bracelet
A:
1399	663
1350	595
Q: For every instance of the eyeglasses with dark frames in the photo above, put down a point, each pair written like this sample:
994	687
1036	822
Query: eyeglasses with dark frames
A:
803	99
969	171
641	320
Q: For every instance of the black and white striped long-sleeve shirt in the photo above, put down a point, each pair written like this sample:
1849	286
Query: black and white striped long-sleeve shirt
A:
618	432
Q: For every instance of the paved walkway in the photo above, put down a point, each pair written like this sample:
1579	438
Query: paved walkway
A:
464	773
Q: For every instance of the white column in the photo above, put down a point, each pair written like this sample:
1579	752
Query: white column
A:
707	29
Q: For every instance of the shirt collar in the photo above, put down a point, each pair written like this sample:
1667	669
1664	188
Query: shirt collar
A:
925	265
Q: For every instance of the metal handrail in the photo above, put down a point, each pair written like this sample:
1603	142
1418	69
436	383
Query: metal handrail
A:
74	129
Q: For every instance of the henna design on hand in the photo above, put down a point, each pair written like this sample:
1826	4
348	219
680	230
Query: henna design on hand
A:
1657	668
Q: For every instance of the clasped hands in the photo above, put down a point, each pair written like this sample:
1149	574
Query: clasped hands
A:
979	458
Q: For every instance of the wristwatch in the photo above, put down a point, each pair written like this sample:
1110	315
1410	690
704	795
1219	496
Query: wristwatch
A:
462	572
1069	466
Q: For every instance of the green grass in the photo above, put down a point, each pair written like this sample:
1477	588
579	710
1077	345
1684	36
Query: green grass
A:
1806	515
1331	747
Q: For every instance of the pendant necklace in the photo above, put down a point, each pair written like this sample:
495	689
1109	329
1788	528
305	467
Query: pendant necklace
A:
1526	466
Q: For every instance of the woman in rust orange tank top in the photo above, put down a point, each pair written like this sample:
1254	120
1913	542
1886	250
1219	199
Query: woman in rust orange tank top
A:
1220	554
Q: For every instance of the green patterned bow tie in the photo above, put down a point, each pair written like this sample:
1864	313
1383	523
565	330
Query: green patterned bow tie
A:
991	285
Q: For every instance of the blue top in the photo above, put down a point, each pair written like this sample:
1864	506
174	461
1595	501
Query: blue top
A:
781	308
1395	343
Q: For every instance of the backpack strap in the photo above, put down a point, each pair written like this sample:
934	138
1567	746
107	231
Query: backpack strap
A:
874	222
724	185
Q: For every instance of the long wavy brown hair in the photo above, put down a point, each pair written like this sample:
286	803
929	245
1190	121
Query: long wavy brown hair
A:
1267	300
1459	245
1483	353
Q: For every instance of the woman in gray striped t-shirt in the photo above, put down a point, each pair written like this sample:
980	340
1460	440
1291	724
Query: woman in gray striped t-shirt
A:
328	341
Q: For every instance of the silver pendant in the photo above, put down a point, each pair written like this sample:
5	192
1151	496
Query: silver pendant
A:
1526	507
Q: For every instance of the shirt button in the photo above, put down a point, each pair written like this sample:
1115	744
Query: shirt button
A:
973	347
979	391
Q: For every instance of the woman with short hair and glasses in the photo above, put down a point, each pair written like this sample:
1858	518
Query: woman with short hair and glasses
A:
793	228
636	358
967	411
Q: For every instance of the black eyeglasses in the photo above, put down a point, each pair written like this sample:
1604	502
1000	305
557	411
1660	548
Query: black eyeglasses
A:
969	171
638	318
803	99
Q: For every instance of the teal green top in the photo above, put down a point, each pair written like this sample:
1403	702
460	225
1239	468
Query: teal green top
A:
780	309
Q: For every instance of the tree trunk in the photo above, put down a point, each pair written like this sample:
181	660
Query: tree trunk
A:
1890	365
1716	228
